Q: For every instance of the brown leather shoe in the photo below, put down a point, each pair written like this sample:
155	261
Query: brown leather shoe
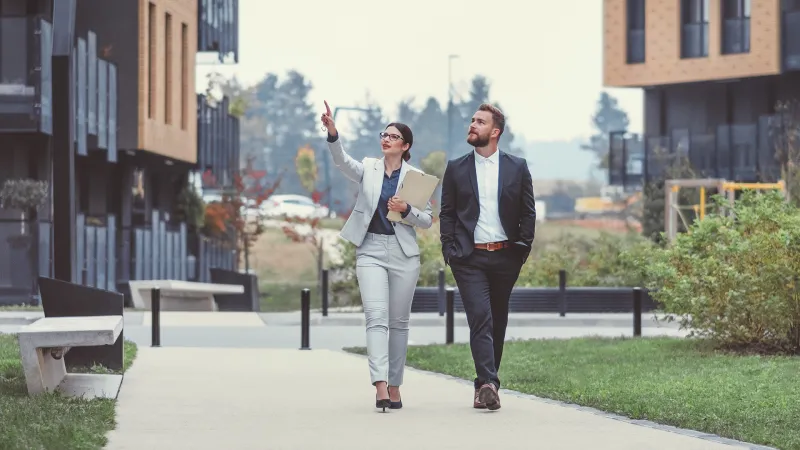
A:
488	396
477	404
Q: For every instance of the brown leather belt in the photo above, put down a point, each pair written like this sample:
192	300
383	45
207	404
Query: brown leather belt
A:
492	246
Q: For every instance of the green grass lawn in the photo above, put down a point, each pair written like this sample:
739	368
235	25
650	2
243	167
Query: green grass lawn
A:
678	382
285	297
19	308
49	421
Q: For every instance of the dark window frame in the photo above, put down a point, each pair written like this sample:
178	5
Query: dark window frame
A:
635	30
735	16
694	19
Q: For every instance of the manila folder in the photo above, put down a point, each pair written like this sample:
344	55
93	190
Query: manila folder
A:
416	189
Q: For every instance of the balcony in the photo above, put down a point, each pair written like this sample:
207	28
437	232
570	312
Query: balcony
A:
635	46
694	40
26	76
218	28
217	139
95	100
741	152
736	36
625	160
791	40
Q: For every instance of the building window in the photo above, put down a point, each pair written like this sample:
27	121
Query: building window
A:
168	68
636	21
694	28
184	74
790	31
151	61
735	26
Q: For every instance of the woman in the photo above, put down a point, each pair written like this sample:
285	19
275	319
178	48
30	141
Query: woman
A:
387	254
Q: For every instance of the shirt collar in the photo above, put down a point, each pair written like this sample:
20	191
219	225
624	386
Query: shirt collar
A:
491	159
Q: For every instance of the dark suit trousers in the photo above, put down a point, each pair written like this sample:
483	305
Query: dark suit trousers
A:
485	280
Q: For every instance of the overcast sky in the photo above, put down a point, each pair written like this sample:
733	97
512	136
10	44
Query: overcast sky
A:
543	57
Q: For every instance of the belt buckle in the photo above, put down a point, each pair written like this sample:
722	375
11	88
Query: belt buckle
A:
491	246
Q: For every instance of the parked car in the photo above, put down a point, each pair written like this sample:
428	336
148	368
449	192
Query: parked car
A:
295	206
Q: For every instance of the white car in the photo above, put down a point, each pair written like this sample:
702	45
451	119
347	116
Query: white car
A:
296	206
249	211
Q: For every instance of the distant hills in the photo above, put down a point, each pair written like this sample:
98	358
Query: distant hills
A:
560	160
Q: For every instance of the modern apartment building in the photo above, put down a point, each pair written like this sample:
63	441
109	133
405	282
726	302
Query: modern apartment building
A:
136	136
712	72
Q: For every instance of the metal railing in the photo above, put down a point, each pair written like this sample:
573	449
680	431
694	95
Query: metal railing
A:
742	152
26	74
694	40
736	35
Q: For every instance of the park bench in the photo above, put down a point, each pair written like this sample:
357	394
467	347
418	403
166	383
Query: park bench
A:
43	344
177	295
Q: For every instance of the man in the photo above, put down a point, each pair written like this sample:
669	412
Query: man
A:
487	222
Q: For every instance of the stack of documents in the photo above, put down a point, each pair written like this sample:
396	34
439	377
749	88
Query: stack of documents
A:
416	189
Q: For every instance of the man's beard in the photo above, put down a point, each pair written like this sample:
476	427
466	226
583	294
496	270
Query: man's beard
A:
477	141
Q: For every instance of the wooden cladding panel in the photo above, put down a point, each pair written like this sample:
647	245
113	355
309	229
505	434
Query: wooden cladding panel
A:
663	63
158	131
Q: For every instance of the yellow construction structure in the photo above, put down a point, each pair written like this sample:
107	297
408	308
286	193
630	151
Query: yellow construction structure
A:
722	186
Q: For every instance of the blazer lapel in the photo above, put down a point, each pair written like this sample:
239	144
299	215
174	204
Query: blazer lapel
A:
376	184
473	176
503	173
403	171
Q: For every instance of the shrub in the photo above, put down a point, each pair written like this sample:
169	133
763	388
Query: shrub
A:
733	278
608	259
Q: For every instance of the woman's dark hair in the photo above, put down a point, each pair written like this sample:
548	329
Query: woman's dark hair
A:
408	137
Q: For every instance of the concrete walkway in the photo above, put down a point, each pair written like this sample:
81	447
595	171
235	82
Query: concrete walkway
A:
214	398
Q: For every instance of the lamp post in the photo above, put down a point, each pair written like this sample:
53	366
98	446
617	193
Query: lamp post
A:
450	59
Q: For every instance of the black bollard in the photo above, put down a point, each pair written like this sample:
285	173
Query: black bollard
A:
637	312
305	310
562	292
155	320
450	321
325	293
441	292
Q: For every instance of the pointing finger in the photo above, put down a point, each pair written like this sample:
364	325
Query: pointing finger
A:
327	108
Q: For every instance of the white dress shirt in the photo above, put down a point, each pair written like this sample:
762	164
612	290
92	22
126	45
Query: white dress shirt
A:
488	228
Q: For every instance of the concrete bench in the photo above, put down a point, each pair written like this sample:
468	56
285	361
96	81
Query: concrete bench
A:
177	295
43	344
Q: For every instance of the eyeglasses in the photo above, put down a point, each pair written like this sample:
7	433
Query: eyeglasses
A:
391	137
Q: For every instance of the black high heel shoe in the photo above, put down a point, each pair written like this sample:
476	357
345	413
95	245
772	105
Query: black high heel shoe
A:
395	405
383	404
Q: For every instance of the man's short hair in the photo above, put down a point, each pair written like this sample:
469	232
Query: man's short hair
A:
498	118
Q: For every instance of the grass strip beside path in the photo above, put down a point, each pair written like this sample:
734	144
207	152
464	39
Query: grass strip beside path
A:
49	421
679	382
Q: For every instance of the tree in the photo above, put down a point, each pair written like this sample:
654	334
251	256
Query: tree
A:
785	130
306	166
430	129
608	117
278	121
435	163
26	196
675	166
307	231
252	135
230	219
368	124
479	94
406	113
